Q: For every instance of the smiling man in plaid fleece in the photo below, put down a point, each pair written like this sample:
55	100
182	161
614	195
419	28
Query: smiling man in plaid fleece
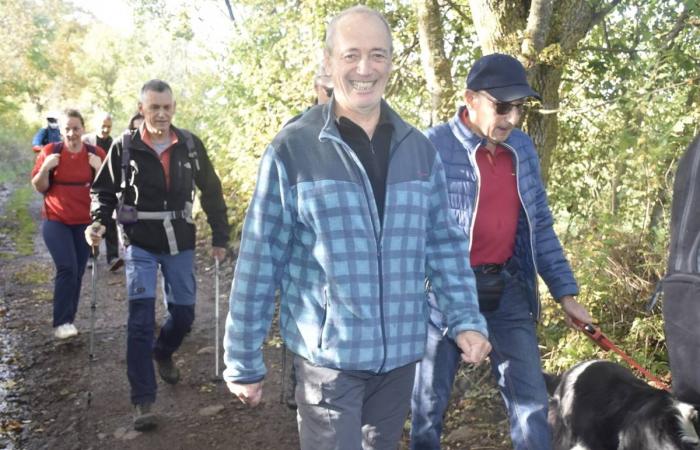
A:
348	218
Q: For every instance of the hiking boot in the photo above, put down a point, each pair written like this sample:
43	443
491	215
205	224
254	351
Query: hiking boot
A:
65	331
167	370
144	419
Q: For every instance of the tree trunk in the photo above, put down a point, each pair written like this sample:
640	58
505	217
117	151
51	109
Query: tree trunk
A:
436	67
543	36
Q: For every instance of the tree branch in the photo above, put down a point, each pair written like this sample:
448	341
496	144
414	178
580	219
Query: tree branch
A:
598	16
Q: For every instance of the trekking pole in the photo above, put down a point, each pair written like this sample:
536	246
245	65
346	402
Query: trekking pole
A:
93	308
216	318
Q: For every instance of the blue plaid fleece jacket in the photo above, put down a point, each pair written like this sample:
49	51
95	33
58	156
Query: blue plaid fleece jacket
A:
537	248
352	290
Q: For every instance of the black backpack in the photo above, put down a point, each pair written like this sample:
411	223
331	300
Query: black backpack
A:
58	148
681	286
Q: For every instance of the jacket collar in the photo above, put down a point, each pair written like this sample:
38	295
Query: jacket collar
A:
469	140
330	127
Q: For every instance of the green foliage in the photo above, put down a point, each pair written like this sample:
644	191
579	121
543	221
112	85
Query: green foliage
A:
630	107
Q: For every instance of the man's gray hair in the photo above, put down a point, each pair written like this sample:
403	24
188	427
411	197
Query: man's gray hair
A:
357	9
155	85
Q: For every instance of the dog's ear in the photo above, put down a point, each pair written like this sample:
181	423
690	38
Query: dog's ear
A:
552	382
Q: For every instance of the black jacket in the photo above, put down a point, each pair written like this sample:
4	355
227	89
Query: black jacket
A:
148	192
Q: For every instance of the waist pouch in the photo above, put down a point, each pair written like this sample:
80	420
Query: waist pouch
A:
489	288
126	214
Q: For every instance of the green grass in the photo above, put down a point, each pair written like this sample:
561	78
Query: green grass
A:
33	274
18	223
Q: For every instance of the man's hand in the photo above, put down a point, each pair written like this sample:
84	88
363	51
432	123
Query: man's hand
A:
475	347
248	394
219	253
574	309
93	234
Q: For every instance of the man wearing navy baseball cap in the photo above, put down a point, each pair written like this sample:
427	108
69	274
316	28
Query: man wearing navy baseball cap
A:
497	197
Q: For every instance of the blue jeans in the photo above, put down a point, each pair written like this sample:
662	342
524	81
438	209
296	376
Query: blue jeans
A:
69	251
179	288
515	362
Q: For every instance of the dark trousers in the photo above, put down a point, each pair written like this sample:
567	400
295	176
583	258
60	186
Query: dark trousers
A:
111	240
349	409
140	349
67	246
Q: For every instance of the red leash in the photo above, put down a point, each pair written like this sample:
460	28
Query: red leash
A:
603	342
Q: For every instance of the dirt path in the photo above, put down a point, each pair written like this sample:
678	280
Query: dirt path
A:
46	399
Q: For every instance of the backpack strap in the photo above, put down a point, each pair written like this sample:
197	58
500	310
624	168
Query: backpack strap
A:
126	156
193	157
191	149
90	148
57	147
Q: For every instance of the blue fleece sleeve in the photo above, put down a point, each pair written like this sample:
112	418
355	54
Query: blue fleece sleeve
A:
262	258
447	263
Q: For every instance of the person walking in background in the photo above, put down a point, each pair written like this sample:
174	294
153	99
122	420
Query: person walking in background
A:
101	137
63	172
348	235
323	88
165	164
498	198
50	133
135	122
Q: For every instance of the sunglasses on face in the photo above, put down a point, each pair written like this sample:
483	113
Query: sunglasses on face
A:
503	108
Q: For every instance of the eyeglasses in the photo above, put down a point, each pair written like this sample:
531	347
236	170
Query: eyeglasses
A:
503	108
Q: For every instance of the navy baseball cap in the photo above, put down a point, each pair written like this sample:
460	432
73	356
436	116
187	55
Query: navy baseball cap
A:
502	76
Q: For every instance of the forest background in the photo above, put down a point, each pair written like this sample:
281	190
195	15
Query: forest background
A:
621	100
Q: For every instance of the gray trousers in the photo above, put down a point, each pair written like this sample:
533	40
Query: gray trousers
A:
351	410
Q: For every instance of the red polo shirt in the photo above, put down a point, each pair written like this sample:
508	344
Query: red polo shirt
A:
497	210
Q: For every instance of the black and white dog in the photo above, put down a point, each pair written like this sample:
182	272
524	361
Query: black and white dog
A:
600	405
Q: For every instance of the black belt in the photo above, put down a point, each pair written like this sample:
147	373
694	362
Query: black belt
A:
489	268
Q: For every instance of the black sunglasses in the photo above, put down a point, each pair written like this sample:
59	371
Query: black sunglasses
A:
503	108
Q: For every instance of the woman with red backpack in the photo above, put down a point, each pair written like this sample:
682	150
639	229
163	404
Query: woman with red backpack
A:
63	172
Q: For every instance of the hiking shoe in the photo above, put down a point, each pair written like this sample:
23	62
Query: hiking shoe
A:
144	419
65	331
115	264
167	370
